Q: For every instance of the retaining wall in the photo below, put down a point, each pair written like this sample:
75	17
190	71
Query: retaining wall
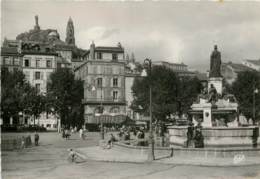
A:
15	143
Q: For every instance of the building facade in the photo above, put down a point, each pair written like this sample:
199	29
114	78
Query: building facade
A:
179	68
37	65
11	58
104	84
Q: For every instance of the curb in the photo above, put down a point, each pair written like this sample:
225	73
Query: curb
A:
184	163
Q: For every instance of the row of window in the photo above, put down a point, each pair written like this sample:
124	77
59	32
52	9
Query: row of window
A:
11	61
114	95
100	82
37	75
27	63
112	110
100	56
102	69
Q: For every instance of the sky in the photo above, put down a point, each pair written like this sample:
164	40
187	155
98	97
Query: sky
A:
169	31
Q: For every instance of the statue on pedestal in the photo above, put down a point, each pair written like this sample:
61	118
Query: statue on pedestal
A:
212	94
215	63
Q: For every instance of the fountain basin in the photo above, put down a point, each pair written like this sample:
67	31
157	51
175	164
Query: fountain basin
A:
217	137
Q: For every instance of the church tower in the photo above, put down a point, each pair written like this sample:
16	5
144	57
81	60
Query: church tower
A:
36	26
70	39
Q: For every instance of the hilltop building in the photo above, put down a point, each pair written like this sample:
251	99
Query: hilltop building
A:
230	71
254	64
179	68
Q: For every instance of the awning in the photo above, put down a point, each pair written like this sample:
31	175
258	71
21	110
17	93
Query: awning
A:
105	119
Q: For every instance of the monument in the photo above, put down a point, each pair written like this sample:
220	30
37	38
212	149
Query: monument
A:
215	77
216	113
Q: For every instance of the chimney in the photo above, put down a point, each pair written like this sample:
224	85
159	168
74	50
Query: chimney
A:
92	51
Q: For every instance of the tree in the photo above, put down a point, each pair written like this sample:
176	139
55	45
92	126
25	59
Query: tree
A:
243	89
12	91
64	95
170	93
34	103
188	90
18	96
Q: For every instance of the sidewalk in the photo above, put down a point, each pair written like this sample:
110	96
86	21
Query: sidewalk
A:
115	155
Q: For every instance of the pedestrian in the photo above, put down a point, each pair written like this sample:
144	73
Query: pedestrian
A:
67	134
190	132
63	133
81	134
23	143
36	138
198	138
72	155
111	141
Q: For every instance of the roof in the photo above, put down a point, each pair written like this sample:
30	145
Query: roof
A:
10	51
37	48
255	62
62	60
165	62
202	76
78	53
31	52
238	67
39	35
109	49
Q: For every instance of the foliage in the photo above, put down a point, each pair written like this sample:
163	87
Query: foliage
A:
187	93
243	89
170	93
34	104
18	95
64	97
12	84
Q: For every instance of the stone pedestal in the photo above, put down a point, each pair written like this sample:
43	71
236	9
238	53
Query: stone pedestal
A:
217	83
207	117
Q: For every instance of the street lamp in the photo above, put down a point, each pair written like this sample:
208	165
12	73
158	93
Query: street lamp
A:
93	88
148	64
254	105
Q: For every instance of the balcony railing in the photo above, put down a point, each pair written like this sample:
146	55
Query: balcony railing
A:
105	100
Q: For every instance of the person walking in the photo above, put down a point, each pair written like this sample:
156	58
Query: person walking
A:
36	138
23	142
81	133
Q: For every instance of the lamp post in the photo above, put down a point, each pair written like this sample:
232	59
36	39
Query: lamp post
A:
148	63
93	88
254	104
101	112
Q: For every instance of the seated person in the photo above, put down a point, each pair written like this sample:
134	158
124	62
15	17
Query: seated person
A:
212	94
72	155
110	141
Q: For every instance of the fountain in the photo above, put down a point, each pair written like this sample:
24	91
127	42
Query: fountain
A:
215	113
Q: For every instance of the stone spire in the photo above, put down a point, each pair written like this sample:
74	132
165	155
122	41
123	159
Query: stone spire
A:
132	59
36	27
127	58
70	39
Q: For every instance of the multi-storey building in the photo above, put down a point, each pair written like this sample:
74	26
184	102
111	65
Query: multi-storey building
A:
11	58
38	64
38	53
179	68
104	84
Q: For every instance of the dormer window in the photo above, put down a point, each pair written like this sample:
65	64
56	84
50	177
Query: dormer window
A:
99	55
114	56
